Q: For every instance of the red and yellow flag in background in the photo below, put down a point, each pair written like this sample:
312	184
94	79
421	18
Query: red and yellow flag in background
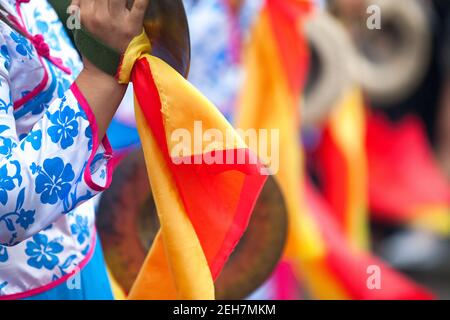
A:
406	185
320	251
204	200
342	163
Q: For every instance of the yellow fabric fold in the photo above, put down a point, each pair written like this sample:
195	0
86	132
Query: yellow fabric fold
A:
267	103
198	231
117	290
139	46
176	254
435	219
347	126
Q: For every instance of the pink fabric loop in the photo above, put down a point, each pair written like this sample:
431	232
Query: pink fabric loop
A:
22	1
38	41
41	46
43	50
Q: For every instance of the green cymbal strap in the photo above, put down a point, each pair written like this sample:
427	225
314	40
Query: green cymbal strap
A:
100	54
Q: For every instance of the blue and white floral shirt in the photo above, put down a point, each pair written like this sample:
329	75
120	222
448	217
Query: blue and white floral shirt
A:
51	163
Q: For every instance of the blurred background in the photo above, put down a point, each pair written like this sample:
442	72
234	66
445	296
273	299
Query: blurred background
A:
369	86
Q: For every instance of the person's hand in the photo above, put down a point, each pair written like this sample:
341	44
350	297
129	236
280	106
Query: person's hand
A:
115	23
111	21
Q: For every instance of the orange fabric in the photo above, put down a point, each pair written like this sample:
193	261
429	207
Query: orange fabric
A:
351	269
203	207
317	250
267	102
406	185
343	167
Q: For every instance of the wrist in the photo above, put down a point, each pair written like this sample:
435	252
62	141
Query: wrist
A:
97	53
103	94
101	80
92	69
96	73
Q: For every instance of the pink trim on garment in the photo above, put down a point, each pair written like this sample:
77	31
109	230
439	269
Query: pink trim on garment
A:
33	93
39	43
41	86
51	285
105	142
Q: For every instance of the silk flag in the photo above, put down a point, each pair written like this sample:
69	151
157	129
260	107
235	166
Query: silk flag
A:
406	186
204	201
276	62
343	166
276	66
358	274
269	101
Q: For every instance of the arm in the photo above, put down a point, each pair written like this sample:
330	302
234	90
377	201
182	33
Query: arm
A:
60	163
115	25
104	97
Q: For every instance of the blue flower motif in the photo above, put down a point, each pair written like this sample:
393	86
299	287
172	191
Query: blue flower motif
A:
42	25
35	138
80	228
7	147
53	39
65	127
53	180
7	144
23	217
3	254
24	47
40	102
63	85
43	253
88	134
36	105
5	54
26	218
6	184
35	168
4	106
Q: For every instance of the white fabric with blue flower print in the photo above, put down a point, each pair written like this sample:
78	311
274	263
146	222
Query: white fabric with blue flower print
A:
46	215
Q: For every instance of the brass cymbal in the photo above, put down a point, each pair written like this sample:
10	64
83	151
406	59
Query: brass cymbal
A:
167	27
127	223
260	248
329	77
390	59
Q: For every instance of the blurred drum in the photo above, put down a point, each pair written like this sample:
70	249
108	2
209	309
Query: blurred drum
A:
127	222
329	75
392	41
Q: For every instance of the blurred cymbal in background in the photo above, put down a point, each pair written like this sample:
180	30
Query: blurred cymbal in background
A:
329	74
389	62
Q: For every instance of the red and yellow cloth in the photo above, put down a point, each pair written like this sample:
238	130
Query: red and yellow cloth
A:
203	205
342	162
319	250
406	185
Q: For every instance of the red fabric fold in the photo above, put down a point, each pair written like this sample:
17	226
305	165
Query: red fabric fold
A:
218	198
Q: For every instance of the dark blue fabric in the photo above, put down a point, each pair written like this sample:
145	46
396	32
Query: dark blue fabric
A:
93	283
